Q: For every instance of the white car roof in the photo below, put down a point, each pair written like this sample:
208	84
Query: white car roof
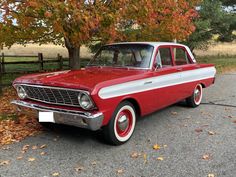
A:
155	44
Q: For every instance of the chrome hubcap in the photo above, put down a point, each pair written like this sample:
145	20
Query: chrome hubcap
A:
123	123
197	93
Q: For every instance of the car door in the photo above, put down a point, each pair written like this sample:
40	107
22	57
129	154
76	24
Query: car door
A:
166	77
184	64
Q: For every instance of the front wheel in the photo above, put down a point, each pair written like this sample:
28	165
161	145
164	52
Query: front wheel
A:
122	124
195	99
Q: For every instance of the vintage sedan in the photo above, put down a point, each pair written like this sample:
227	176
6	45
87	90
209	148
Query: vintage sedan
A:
122	82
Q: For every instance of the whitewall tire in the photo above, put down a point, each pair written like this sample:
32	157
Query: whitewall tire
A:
196	98
122	124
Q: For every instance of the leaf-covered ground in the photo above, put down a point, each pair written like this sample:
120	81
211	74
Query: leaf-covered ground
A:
14	126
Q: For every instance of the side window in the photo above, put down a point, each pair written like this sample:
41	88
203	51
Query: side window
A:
165	56
180	56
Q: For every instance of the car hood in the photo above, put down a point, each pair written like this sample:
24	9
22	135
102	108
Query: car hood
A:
85	79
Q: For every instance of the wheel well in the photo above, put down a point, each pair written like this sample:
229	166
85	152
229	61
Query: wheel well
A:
203	85
135	104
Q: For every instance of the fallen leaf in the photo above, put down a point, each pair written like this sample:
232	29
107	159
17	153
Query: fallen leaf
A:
145	158
174	113
164	145
25	147
55	174
6	148
31	159
34	147
119	171
156	147
211	175
19	158
5	162
160	158
211	132
42	153
198	130
15	126
206	157
79	168
43	146
134	155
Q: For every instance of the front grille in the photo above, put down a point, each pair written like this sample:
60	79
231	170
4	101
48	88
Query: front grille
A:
52	95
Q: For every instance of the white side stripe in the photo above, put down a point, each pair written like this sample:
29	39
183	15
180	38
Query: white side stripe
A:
157	82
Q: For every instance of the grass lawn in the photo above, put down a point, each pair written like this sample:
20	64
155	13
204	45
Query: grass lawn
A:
223	64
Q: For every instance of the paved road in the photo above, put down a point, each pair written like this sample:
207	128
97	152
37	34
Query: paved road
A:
185	144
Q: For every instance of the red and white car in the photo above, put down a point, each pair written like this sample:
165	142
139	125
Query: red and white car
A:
122	82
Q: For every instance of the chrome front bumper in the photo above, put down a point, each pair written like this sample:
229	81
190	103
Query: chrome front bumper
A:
63	116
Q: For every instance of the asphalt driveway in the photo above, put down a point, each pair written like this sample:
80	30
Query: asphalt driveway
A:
193	142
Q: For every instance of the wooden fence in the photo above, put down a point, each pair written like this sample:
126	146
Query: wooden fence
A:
37	60
40	61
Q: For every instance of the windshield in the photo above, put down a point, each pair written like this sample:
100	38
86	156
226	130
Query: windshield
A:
124	55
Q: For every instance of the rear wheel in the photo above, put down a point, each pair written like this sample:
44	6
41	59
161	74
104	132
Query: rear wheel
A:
122	124
195	99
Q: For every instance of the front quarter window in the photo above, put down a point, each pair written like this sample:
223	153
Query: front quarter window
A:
124	55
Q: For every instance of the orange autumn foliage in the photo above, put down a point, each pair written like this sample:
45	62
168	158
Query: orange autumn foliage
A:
81	21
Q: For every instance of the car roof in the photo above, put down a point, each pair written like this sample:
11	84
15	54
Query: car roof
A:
155	44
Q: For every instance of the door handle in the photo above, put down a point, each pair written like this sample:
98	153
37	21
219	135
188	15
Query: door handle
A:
179	69
148	82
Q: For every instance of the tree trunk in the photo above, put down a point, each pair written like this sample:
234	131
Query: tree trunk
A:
74	54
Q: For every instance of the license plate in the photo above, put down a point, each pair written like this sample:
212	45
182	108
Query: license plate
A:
46	117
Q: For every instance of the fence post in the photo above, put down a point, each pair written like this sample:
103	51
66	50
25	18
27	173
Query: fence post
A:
1	75
60	60
40	58
3	64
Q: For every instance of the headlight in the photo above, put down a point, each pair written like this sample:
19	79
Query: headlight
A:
21	92
85	101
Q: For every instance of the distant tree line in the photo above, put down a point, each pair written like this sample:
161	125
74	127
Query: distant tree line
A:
216	18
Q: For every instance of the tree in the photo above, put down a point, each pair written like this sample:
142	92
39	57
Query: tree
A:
214	20
73	23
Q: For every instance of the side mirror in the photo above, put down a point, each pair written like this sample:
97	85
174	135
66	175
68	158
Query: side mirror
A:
157	66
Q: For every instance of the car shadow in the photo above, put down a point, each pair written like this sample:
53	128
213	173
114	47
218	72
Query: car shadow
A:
81	134
72	132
